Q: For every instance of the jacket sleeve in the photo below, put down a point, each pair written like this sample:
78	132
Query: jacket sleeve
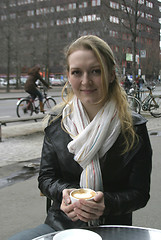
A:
136	194
42	80
51	180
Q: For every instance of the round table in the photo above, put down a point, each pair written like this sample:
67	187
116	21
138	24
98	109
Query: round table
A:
118	232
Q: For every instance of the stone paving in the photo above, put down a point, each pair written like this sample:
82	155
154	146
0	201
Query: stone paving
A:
23	142
20	143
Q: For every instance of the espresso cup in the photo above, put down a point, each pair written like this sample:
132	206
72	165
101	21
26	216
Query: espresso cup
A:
82	193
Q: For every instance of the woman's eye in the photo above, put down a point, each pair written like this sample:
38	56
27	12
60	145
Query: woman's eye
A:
76	72
96	71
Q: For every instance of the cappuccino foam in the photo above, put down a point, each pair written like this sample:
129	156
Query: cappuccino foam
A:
83	194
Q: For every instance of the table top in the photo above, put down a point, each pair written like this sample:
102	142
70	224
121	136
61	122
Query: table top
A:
118	232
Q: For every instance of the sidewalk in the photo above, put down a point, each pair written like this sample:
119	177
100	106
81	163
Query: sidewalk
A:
23	141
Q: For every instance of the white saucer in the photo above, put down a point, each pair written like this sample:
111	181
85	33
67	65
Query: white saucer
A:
77	234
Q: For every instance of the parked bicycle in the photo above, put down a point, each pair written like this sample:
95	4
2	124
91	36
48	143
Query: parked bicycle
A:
26	106
150	102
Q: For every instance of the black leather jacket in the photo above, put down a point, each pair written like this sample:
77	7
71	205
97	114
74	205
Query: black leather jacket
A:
126	178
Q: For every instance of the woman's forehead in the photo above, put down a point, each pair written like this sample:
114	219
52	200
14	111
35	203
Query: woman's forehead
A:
83	57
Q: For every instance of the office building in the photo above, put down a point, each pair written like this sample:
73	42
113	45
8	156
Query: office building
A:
36	31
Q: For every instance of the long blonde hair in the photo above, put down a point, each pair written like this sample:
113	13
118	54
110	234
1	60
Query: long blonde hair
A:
111	90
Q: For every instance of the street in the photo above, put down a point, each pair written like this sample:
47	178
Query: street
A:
8	106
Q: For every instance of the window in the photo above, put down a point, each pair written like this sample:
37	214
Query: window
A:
13	16
126	9
58	8
52	9
30	13
52	23
115	48
72	6
129	37
69	35
66	21
37	25
149	4
3	17
113	33
149	16
148	29
12	3
83	5
140	26
124	36
141	14
96	3
141	1
114	19
114	5
89	18
129	10
32	26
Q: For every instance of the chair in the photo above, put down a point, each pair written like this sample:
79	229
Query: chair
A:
48	202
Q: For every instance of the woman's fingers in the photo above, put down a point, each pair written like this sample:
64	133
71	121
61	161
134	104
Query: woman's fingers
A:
82	210
90	210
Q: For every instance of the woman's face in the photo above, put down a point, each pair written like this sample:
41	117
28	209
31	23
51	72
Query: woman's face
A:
85	77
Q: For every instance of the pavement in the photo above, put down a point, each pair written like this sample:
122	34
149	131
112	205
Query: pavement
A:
23	141
22	206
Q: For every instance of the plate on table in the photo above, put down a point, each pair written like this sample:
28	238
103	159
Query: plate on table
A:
77	234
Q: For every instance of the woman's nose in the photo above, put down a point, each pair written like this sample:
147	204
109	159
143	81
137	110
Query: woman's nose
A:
85	78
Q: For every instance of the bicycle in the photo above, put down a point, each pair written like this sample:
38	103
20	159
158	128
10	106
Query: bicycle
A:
151	103
26	106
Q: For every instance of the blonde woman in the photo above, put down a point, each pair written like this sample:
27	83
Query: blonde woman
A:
94	142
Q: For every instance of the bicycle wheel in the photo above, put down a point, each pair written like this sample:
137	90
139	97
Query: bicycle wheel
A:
134	104
155	106
49	103
24	108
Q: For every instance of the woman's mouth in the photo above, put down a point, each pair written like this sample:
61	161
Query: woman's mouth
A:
88	91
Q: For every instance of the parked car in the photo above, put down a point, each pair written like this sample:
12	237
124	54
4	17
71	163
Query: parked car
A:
2	82
23	80
12	81
56	82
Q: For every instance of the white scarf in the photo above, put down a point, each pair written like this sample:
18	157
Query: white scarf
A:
91	140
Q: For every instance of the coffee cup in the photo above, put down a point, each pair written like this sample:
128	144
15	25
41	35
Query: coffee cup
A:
82	193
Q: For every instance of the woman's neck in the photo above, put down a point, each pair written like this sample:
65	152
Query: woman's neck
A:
92	110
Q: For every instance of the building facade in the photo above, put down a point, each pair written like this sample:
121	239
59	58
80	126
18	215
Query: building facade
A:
37	31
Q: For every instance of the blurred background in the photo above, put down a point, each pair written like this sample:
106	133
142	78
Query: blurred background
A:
37	31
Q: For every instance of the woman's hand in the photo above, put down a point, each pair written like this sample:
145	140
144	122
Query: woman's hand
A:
66	205
90	210
82	209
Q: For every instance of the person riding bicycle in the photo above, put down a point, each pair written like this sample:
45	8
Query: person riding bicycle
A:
31	86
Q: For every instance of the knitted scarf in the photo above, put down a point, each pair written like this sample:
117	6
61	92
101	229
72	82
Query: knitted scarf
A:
91	140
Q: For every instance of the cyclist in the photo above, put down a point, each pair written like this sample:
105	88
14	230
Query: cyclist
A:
31	86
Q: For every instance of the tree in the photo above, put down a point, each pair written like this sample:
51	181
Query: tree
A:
133	21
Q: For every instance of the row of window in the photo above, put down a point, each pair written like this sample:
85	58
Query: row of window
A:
128	37
71	20
43	11
14	3
63	35
116	20
118	6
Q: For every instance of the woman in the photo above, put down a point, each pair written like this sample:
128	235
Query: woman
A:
31	86
94	142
